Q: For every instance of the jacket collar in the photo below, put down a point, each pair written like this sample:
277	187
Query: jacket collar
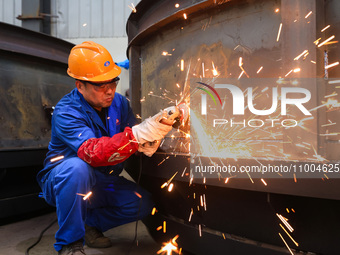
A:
90	111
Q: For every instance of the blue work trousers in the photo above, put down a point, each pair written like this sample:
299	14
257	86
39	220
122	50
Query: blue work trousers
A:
114	200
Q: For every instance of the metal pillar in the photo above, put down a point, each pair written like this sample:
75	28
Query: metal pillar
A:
36	15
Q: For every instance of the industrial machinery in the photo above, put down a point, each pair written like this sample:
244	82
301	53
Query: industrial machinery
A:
173	47
33	79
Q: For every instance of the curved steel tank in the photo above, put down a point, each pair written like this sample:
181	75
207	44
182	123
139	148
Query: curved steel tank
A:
171	47
33	79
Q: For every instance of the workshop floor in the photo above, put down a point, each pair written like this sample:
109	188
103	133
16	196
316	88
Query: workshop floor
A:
16	237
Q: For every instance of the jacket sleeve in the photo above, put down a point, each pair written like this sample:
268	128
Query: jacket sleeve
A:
106	151
128	118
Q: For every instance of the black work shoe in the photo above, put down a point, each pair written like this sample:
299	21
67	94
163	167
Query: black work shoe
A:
75	248
95	239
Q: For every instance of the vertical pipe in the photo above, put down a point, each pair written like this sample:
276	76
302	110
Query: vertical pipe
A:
31	15
45	7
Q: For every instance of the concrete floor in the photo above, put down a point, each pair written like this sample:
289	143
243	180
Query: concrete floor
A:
15	238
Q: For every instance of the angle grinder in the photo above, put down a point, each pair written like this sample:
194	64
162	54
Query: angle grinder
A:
176	116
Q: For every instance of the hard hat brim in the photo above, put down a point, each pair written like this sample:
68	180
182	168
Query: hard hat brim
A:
113	73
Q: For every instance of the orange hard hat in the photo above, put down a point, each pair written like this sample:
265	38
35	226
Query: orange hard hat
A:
90	61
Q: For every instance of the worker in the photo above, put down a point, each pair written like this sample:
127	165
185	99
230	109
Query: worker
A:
93	132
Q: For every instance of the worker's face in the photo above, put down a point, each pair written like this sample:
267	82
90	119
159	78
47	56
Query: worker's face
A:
98	95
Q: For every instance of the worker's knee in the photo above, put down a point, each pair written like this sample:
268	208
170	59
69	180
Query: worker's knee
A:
75	170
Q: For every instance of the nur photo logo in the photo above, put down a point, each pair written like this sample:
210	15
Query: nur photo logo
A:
204	97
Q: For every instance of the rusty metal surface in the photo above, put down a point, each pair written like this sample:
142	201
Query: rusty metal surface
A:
27	85
220	36
249	30
223	32
33	77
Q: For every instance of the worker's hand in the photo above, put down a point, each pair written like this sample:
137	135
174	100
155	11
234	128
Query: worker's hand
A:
151	129
154	129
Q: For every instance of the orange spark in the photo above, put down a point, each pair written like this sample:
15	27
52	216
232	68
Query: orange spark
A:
326	27
87	195
138	195
182	65
331	65
332	42
316	42
191	213
240	74
308	14
327	40
240	62
161	162
133	8
289	235
285	222
134	140
56	158
153	211
214	70
165	53
288	73
331	95
170	187
203	72
279	32
286	244
169	247
303	53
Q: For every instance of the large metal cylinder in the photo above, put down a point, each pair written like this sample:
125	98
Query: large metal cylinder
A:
171	47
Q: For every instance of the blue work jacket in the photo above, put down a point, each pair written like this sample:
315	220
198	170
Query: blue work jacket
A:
74	121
